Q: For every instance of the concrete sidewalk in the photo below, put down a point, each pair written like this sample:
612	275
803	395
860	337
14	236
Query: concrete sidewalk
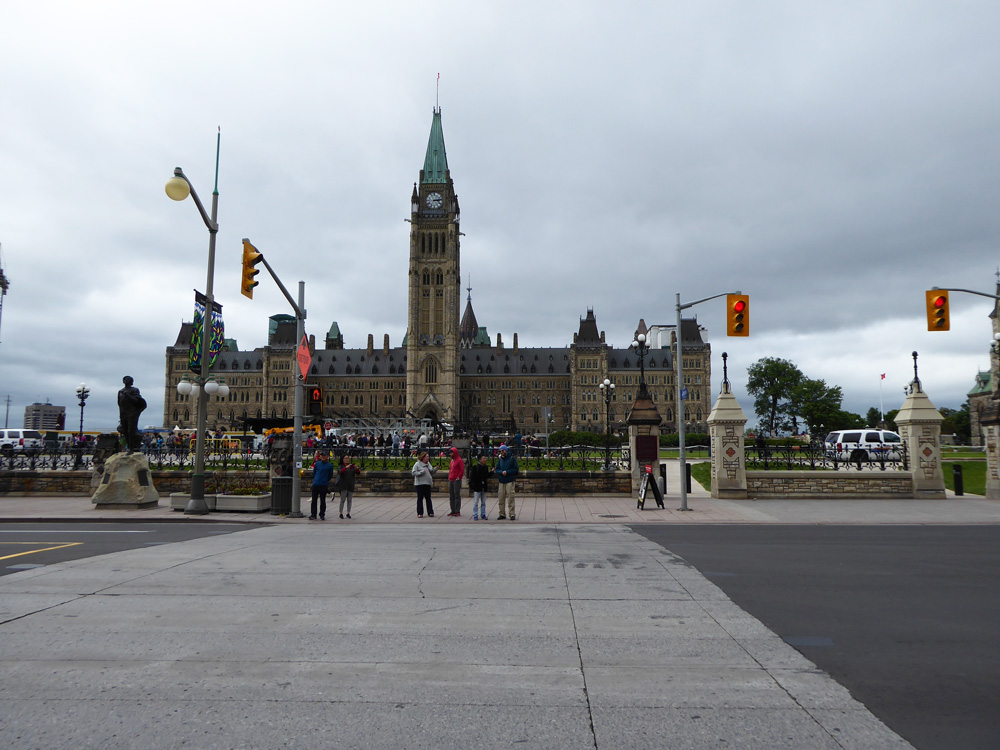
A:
494	635
533	509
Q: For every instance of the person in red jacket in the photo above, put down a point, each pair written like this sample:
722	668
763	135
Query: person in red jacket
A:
456	470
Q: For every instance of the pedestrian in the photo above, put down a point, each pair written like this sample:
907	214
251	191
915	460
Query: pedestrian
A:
479	476
456	470
423	480
345	484
506	471
322	473
395	444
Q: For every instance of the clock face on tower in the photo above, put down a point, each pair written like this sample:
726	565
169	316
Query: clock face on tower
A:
434	200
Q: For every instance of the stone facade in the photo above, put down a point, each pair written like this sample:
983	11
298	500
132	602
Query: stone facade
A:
441	370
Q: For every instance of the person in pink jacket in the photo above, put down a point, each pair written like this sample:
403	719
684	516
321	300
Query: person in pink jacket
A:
456	470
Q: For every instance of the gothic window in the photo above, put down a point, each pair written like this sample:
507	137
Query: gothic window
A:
176	417
439	279
315	370
533	367
330	371
222	365
506	369
430	372
551	368
246	365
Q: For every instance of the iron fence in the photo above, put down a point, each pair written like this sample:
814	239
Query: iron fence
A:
816	456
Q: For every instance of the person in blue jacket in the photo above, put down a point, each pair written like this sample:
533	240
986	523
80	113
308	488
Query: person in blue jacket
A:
506	472
322	473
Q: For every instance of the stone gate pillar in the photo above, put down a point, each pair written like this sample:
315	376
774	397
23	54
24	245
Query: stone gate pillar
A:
643	436
919	423
990	422
726	428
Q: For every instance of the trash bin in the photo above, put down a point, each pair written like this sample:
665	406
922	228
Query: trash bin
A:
281	496
956	473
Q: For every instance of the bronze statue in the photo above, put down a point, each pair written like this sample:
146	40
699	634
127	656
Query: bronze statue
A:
130	406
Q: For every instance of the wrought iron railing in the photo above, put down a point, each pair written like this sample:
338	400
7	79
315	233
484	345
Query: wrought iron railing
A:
179	458
817	456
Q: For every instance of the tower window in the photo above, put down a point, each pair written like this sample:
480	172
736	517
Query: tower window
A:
430	372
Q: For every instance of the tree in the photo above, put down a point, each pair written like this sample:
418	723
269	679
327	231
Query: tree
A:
817	403
873	417
771	382
963	427
890	419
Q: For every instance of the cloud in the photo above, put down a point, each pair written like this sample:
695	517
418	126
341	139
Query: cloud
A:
832	161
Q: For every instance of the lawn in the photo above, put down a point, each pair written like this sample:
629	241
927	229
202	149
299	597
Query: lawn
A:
973	476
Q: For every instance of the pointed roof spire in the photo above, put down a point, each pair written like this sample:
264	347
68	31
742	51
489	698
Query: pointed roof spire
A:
436	160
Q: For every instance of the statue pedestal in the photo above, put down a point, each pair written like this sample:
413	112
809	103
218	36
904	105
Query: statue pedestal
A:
126	483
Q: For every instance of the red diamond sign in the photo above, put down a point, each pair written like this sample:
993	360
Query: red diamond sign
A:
303	356
731	452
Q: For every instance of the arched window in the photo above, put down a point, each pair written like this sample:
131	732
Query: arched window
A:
430	372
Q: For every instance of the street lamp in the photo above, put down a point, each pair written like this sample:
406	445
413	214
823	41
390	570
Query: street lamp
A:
82	392
607	388
178	188
641	348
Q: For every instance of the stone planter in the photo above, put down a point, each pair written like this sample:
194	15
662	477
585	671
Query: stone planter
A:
243	503
179	500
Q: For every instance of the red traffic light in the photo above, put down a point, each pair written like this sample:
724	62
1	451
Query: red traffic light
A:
939	301
739	306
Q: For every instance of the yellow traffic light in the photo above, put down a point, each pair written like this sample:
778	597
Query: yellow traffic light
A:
938	315
737	315
251	257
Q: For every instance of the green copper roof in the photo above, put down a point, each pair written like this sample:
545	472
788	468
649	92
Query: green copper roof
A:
982	384
436	161
334	331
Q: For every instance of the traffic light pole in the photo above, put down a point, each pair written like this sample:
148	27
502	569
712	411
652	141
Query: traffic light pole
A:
967	291
300	325
300	318
682	455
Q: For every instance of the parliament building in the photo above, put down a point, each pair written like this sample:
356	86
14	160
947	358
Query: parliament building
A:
447	368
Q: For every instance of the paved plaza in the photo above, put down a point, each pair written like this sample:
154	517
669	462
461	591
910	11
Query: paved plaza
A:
563	629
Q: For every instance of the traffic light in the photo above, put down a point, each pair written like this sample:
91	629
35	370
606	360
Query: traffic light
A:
251	257
315	401
938	317
737	315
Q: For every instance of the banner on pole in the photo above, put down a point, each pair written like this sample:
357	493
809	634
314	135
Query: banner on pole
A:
198	330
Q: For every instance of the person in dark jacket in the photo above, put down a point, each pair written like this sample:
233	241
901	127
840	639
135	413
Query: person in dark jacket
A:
322	473
348	470
506	471
479	476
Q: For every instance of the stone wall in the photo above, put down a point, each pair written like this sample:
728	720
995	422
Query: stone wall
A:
829	484
368	483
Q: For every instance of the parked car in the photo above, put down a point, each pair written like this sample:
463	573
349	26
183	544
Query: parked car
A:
864	444
20	441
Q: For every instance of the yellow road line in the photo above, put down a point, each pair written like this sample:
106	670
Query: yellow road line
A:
45	549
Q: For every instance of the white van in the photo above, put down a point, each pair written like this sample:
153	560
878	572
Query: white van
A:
21	441
863	445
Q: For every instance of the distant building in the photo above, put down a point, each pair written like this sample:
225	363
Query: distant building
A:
446	368
987	385
44	417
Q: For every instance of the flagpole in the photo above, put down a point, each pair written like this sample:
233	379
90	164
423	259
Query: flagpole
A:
881	409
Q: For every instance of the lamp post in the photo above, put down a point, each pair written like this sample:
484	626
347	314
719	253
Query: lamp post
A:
82	392
608	389
178	188
641	348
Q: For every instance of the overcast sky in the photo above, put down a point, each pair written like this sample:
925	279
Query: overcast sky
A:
830	159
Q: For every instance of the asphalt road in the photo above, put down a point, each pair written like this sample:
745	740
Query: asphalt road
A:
906	617
29	545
